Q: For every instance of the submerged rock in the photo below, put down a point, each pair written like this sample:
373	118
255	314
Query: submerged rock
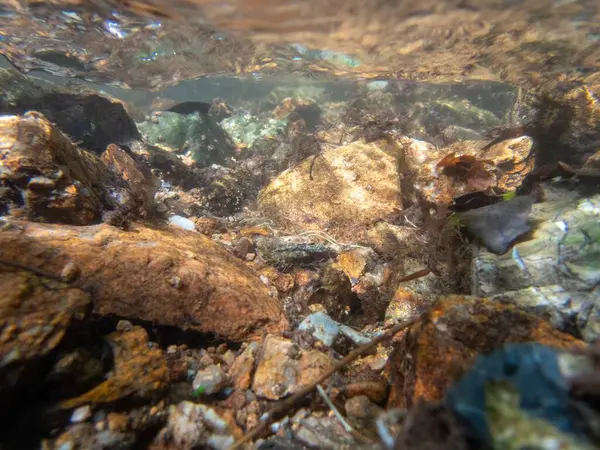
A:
517	397
498	225
86	436
35	315
347	187
86	115
215	292
139	369
554	273
249	131
243	367
210	380
192	426
197	135
444	343
45	177
284	368
289	251
439	175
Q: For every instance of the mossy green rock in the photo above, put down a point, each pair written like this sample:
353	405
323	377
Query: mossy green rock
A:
248	130
198	135
555	272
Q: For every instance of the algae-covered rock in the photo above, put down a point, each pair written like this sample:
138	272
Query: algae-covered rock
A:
209	290
248	131
347	187
462	113
198	135
443	344
556	271
15	88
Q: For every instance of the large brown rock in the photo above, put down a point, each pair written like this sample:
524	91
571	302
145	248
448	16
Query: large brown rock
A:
348	186
35	314
169	277
444	343
45	177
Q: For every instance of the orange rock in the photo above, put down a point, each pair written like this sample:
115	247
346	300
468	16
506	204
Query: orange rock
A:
243	366
284	282
353	263
142	184
131	274
35	314
61	183
139	369
304	278
444	343
405	304
503	166
255	231
285	368
206	225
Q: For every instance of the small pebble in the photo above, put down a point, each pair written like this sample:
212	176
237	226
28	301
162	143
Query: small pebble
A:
117	422
171	349
250	256
176	282
81	414
41	183
182	222
124	325
221	349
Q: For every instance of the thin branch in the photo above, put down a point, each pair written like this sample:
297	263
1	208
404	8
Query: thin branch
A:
287	404
341	418
338	415
415	275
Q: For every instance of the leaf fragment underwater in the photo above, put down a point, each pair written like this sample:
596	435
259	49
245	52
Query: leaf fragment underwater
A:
498	225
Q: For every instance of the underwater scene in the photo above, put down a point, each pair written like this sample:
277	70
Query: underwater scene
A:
299	224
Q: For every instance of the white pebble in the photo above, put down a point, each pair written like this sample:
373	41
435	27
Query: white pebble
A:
182	222
81	414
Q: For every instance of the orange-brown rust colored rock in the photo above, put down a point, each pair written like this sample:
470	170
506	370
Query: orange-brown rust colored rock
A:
38	159
46	178
35	314
243	367
139	369
283	282
445	342
169	277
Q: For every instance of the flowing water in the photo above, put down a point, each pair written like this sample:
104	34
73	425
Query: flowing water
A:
205	204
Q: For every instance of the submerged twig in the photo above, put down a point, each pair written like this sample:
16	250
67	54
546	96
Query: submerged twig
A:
415	275
341	418
290	402
338	415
